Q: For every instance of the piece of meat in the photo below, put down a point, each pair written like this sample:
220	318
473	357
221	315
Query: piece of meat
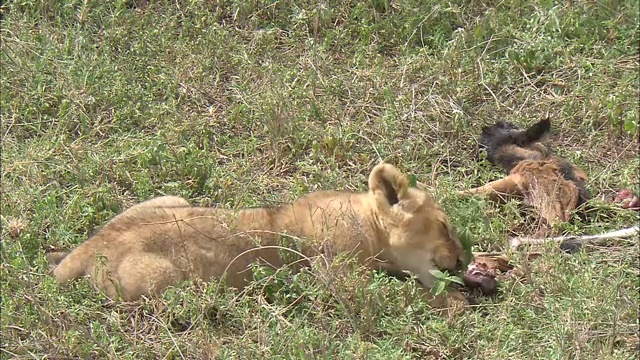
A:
481	277
487	285
627	200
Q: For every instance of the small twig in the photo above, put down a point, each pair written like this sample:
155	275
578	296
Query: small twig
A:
487	254
516	242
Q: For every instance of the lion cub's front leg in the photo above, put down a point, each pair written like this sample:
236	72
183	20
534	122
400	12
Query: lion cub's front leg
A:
451	298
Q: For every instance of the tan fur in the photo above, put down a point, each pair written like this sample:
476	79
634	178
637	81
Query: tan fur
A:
165	240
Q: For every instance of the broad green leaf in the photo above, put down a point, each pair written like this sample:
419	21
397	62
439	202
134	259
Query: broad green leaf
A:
438	288
437	273
413	181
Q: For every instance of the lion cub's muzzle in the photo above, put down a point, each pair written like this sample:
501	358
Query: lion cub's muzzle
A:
459	269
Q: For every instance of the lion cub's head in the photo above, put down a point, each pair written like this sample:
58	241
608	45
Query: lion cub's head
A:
420	236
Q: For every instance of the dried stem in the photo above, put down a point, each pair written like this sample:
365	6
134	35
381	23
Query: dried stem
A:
516	242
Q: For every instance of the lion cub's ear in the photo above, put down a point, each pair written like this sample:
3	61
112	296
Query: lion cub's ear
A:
387	182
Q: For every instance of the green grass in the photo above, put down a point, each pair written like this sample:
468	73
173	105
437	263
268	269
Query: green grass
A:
246	103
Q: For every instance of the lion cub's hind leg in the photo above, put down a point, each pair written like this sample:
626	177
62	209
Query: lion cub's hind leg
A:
141	274
147	274
55	258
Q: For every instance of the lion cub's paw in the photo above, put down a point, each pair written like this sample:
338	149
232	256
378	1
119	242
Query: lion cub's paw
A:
452	299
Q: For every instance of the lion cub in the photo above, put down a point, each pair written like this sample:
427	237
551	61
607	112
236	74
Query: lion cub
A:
165	240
